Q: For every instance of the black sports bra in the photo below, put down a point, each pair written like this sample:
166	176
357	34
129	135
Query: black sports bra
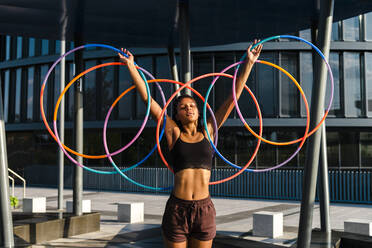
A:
192	155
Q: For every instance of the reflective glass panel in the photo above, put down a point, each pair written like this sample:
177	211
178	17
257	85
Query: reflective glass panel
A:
335	31
353	104
43	71
333	149
6	94
222	88
17	109
44	47
336	107
366	149
368	25
19	47
90	94
31	47
58	46
202	64
349	149
306	78
146	63
30	92
351	29
289	92
267	84
8	41
368	70
126	103
107	89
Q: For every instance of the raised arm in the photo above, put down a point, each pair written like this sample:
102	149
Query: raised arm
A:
227	106
155	108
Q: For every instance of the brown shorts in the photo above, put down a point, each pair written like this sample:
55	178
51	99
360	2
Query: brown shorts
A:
183	219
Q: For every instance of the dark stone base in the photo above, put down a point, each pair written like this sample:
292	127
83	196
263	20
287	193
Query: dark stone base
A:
38	228
319	239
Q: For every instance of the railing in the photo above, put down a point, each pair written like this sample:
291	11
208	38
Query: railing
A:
344	186
22	179
11	179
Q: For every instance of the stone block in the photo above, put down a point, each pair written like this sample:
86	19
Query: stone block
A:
358	226
86	206
268	224
131	212
34	205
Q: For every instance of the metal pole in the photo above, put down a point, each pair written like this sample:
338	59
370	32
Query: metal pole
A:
61	129
6	222
64	19
325	222
184	31
173	66
313	148
78	128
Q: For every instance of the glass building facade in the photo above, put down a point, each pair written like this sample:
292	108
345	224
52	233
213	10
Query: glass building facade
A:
24	63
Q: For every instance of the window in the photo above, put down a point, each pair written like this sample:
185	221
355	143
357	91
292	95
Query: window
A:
19	47
56	84
353	104
58	47
267	84
44	47
43	72
368	26
351	29
17	110
335	36
306	79
6	94
70	92
8	41
267	155
162	71
368	70
333	149
90	93
306	34
106	82
336	107
125	105
31	47
202	64
349	141
30	93
146	63
289	92
366	149
222	88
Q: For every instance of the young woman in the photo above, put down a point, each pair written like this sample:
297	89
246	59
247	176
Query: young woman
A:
189	217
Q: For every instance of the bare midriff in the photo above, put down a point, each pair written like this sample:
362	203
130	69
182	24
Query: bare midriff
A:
192	184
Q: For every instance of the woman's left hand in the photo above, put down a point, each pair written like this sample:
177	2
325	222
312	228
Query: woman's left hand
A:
253	54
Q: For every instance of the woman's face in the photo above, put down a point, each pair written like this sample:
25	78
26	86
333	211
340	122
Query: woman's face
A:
187	110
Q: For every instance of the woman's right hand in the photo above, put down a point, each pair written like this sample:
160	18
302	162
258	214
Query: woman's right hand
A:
127	60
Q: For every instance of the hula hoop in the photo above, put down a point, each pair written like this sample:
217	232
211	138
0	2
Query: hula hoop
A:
157	145
307	112
120	150
46	79
181	88
325	113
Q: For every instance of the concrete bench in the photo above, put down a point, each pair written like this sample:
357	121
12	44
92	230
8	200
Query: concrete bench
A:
131	212
268	224
34	205
358	226
86	206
